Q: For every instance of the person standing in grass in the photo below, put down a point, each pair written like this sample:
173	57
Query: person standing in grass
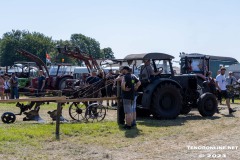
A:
231	80
6	86
221	84
134	105
41	81
14	86
109	85
1	87
219	92
121	114
129	85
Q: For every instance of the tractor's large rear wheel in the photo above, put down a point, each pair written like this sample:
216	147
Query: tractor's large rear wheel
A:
166	102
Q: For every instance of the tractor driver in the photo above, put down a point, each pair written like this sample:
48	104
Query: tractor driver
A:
147	72
41	81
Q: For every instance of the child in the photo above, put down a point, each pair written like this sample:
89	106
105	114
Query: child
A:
6	86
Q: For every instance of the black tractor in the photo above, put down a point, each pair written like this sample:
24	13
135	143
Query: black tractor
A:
167	95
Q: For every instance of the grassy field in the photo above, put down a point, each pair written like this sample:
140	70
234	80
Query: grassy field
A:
152	139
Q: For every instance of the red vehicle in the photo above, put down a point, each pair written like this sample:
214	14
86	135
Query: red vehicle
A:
55	77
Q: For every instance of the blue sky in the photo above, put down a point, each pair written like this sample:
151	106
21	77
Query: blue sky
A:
133	26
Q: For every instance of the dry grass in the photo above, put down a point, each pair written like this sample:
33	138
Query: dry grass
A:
152	139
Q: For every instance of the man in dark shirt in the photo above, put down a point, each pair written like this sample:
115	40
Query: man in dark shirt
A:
95	84
129	85
14	86
93	78
41	81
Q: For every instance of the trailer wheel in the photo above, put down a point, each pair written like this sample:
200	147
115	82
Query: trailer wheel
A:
167	102
8	117
207	105
77	111
95	112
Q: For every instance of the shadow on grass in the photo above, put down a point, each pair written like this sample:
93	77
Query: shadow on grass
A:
130	133
228	115
153	122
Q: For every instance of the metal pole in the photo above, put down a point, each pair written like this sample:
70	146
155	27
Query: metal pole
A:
59	109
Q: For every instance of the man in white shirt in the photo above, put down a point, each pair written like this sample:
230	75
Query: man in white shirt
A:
221	85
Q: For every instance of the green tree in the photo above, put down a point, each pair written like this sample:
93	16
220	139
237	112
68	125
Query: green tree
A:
39	44
36	43
107	53
86	44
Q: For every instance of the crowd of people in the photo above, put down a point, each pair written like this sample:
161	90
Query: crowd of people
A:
219	87
129	86
9	86
107	82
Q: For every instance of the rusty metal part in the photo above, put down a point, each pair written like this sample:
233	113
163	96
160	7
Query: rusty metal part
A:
89	61
34	58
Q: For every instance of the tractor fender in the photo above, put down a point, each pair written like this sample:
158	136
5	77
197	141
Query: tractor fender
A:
202	82
64	77
148	91
201	77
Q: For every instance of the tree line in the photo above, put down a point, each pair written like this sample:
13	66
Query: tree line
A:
39	44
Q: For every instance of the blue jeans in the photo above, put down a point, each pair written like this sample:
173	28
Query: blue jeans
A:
134	105
14	93
127	104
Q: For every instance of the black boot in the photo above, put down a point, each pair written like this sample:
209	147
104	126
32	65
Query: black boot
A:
231	110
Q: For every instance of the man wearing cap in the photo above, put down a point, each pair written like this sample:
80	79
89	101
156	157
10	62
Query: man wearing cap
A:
231	80
221	84
129	85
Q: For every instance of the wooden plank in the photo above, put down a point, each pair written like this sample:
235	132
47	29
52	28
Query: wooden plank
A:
37	99
61	99
87	99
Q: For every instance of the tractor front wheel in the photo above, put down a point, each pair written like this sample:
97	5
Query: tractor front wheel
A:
207	105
